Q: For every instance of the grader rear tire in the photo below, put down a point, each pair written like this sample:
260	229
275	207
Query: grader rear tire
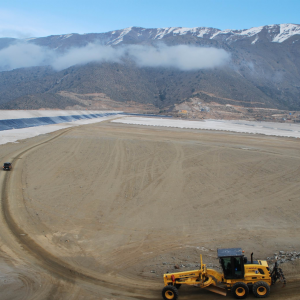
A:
240	290
170	292
261	289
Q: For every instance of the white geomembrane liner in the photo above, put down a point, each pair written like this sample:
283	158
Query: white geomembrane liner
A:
19	114
13	135
266	128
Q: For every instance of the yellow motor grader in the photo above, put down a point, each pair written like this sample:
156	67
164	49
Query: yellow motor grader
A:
239	276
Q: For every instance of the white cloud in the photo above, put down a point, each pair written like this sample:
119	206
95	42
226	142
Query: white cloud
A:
24	55
181	57
84	55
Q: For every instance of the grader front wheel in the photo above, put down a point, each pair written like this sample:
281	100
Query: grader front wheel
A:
170	292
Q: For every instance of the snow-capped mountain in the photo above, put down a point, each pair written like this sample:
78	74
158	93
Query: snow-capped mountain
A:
263	69
135	35
273	33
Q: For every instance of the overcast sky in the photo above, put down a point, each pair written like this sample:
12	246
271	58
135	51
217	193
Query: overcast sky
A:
35	18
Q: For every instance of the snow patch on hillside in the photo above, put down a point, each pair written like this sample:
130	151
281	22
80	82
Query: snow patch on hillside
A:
66	36
238	33
252	31
119	39
226	31
184	30
278	33
204	31
286	31
254	41
161	32
196	31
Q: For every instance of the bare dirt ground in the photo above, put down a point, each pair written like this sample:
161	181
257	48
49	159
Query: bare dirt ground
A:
102	211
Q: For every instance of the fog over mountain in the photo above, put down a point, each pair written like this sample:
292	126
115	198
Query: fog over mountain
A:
183	57
162	67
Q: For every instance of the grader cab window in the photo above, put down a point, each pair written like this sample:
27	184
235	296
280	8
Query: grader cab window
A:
233	267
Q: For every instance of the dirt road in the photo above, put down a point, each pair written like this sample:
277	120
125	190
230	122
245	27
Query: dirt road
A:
102	211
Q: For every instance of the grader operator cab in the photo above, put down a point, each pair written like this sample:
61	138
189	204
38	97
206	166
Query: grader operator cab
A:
239	276
232	262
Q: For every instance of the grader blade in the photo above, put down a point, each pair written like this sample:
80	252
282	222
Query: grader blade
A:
216	289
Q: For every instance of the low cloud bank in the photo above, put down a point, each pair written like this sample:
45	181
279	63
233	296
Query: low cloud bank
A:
182	57
24	55
84	55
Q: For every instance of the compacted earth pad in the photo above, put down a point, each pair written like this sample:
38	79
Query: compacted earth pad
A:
102	211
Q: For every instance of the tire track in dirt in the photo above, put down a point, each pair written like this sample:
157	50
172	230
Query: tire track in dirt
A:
134	250
51	263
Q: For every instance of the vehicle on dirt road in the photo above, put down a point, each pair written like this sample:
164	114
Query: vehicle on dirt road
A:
239	276
7	166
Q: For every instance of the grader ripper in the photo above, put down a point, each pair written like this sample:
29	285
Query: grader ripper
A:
239	276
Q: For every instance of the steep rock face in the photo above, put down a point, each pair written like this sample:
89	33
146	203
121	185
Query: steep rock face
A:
264	70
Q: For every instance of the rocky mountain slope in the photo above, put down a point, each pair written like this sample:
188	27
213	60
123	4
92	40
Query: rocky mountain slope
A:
263	72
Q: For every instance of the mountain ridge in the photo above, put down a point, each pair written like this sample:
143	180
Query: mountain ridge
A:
264	68
275	33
